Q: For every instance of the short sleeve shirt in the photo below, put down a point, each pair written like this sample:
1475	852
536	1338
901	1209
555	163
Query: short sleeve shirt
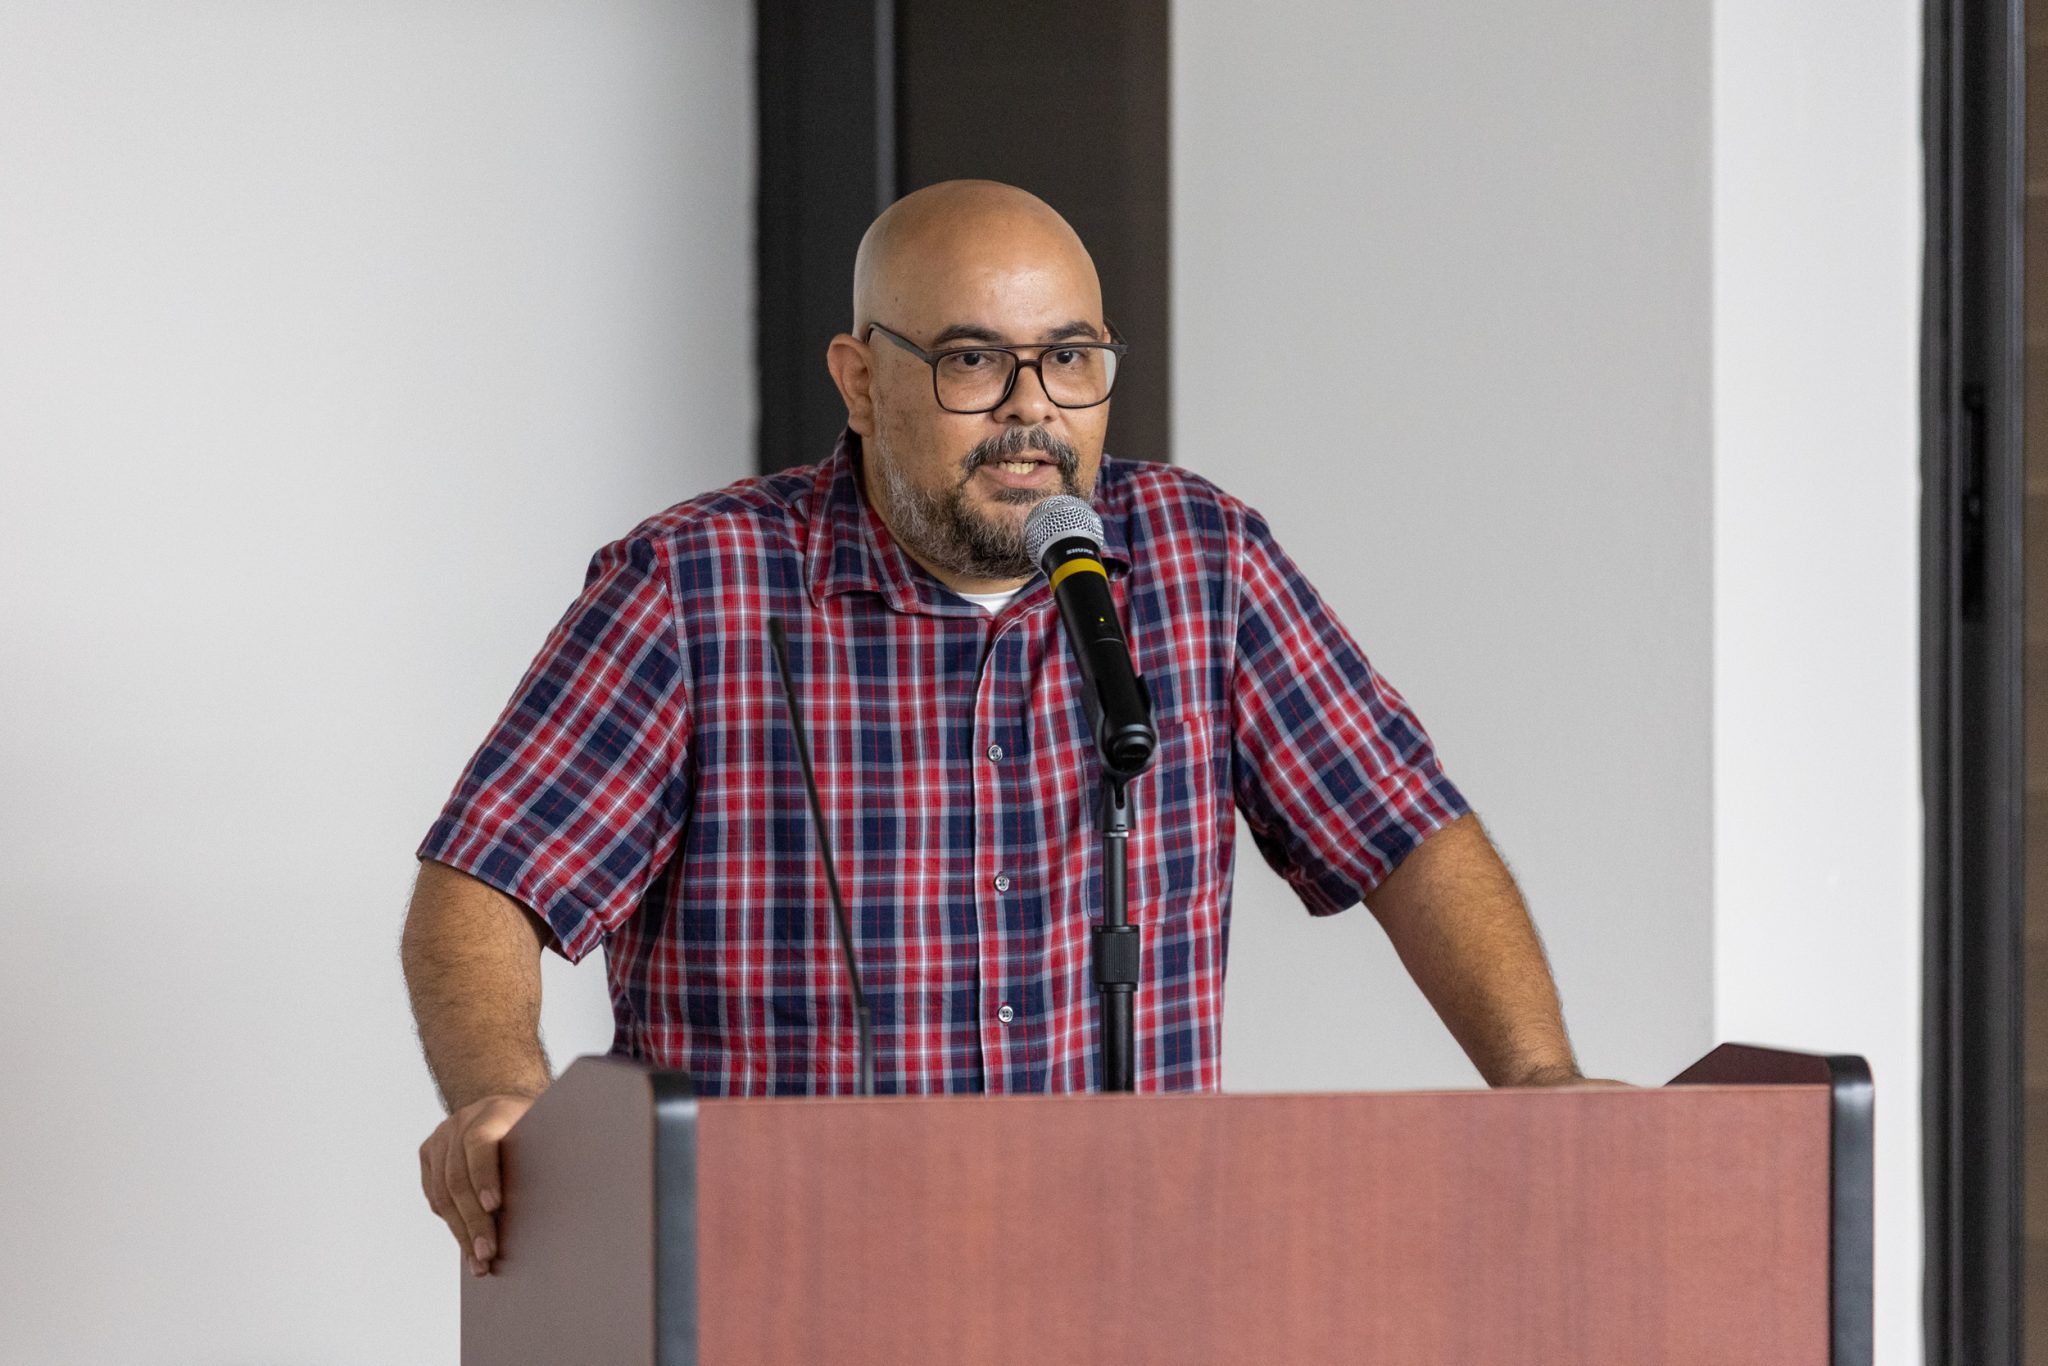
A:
641	790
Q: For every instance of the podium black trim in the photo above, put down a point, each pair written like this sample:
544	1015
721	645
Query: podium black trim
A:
1852	1174
675	1215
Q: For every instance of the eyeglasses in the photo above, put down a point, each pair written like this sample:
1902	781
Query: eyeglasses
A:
978	379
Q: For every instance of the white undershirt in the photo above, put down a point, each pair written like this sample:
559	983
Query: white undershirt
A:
991	603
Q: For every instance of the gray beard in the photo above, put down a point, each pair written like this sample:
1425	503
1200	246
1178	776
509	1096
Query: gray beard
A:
946	530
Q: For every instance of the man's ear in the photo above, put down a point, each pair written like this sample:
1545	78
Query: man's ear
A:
847	359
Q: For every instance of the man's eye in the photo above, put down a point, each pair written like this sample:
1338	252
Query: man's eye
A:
1070	356
970	360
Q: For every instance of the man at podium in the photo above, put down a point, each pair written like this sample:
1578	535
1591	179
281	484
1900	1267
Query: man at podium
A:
641	790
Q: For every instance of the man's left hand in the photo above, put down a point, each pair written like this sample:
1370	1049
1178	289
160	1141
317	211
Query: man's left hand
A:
1568	1079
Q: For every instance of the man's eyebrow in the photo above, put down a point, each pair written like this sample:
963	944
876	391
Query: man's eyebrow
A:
977	332
965	332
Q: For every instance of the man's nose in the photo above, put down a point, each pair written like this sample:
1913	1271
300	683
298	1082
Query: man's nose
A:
1028	403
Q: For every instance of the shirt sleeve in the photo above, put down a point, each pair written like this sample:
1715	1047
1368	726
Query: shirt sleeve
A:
574	801
1334	774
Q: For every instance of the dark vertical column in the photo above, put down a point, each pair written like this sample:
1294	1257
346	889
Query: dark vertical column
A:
2034	1315
825	93
1972	661
859	102
1068	99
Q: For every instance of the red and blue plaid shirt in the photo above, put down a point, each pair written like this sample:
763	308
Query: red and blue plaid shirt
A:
641	789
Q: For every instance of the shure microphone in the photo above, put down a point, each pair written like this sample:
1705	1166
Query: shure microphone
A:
1063	536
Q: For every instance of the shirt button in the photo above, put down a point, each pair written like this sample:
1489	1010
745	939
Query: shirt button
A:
1006	1014
995	754
1002	882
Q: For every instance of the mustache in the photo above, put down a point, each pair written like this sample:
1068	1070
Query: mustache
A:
1015	442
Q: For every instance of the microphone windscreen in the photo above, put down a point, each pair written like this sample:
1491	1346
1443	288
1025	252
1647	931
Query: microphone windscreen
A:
1056	519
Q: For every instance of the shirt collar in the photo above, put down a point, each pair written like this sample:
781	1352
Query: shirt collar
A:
852	550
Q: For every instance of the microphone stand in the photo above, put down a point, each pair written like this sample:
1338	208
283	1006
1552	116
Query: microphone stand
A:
1065	537
1116	941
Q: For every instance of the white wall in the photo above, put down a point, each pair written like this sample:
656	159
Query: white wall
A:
1474	245
333	338
1592	405
1818	228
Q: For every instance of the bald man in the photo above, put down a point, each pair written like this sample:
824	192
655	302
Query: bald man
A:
641	792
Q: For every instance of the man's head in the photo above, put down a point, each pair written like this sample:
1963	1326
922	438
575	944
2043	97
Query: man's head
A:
960	264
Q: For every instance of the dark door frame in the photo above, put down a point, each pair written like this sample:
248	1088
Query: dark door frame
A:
825	132
861	100
1972	644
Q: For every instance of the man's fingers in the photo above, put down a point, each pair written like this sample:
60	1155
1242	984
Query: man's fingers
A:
459	1172
480	1161
479	1234
480	1154
443	1205
436	1188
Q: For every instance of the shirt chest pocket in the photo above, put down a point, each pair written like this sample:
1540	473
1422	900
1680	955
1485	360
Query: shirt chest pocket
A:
1180	854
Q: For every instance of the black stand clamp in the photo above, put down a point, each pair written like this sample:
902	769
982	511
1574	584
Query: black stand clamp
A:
1116	942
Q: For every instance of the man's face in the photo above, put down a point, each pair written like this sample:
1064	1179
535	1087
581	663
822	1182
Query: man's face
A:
955	488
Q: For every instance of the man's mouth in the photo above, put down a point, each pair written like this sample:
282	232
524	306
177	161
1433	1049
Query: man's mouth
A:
1023	466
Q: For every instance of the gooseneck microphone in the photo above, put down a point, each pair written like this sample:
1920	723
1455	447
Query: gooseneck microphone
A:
865	1081
1063	536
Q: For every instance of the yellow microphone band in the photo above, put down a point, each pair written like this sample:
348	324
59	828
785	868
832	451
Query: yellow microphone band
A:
1077	567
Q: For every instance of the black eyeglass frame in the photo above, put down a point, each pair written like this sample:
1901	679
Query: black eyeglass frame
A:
1115	346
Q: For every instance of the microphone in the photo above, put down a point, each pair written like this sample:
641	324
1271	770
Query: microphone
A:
1063	536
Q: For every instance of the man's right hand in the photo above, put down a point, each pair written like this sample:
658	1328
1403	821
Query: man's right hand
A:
459	1172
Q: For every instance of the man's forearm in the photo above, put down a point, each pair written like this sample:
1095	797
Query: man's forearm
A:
1457	920
472	966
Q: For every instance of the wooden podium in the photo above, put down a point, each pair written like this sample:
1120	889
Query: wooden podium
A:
1723	1218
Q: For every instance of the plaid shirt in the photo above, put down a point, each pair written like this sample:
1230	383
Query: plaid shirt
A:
641	789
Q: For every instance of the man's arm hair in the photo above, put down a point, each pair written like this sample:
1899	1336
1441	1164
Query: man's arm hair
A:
472	966
1459	924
